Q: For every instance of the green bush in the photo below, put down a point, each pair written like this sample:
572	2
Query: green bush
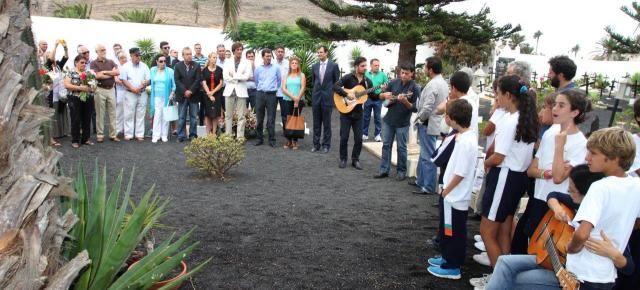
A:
110	231
214	155
271	34
79	10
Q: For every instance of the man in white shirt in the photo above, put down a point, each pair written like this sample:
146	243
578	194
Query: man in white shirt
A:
135	77
236	72
283	63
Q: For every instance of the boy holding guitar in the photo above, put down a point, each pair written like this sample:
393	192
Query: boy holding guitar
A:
348	87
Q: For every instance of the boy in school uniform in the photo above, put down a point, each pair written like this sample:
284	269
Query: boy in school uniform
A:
456	195
610	207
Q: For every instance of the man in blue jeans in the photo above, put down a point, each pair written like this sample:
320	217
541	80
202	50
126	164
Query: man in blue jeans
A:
434	93
401	94
377	78
187	78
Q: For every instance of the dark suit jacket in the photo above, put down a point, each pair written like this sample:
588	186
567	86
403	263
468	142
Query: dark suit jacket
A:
187	80
323	92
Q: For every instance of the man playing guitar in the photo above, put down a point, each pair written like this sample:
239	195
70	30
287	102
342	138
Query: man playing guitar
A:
352	120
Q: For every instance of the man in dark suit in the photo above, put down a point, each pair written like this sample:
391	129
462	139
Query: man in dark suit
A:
325	74
187	78
165	49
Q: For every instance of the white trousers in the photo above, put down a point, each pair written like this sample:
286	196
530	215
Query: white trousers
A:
135	107
120	111
160	127
235	105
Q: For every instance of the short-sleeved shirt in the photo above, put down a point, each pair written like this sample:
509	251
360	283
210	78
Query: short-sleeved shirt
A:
612	205
377	79
76	81
518	155
497	115
135	74
636	162
475	114
462	163
105	65
398	115
575	151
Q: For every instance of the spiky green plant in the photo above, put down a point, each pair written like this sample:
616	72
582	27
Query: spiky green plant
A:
138	16
147	50
79	10
109	238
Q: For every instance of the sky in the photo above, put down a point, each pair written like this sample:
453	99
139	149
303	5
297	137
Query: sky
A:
564	23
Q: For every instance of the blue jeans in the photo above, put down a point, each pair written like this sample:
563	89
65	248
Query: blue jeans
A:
376	106
426	171
400	134
521	272
192	107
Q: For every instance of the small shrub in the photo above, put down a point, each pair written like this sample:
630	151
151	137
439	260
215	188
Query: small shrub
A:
214	155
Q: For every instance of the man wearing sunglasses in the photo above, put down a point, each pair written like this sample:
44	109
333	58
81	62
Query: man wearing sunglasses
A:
165	49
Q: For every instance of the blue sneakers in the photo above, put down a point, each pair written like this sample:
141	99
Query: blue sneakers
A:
436	261
444	273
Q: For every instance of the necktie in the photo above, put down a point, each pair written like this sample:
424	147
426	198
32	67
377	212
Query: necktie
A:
323	67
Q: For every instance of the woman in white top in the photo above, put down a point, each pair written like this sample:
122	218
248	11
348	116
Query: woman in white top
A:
507	177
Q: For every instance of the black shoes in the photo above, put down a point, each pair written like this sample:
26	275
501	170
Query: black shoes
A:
401	177
381	175
356	164
272	143
412	181
260	142
420	192
343	164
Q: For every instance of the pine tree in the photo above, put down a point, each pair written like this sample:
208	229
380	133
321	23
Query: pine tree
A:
626	44
407	22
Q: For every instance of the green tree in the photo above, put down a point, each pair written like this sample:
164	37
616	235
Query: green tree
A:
526	48
78	10
138	16
606	48
516	39
271	34
537	36
626	44
575	50
459	53
407	22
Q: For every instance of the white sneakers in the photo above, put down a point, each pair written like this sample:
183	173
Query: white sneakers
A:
480	283
378	138
365	137
482	259
480	246
477	238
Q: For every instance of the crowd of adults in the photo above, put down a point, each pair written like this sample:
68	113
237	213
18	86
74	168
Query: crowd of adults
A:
545	153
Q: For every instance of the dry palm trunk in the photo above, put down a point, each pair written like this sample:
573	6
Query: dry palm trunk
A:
31	229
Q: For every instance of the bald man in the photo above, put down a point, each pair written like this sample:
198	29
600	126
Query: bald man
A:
42	52
105	96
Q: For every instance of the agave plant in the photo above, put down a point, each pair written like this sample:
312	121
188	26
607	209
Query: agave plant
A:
78	10
110	232
138	16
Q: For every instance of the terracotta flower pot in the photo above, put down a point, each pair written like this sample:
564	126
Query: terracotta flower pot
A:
159	284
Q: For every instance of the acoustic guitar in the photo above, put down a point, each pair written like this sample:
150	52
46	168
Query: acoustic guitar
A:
345	105
549	244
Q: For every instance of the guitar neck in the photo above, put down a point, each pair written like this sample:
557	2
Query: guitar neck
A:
553	254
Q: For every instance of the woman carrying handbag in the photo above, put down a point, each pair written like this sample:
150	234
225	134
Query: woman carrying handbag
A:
163	88
293	86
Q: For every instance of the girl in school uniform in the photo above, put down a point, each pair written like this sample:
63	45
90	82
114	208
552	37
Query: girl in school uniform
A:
562	147
507	175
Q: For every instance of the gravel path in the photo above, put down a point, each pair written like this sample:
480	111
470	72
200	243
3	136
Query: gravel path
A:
289	219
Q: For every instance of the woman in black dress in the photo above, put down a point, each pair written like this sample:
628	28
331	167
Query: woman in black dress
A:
212	99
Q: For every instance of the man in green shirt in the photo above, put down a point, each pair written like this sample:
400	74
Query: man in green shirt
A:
377	77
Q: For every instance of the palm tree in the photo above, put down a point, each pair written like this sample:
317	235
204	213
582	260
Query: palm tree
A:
138	16
516	39
230	12
78	10
606	48
537	38
575	50
30	224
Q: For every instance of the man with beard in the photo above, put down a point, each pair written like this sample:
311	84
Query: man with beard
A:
561	71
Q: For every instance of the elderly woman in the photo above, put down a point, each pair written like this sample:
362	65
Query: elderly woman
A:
212	100
120	90
80	106
163	88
